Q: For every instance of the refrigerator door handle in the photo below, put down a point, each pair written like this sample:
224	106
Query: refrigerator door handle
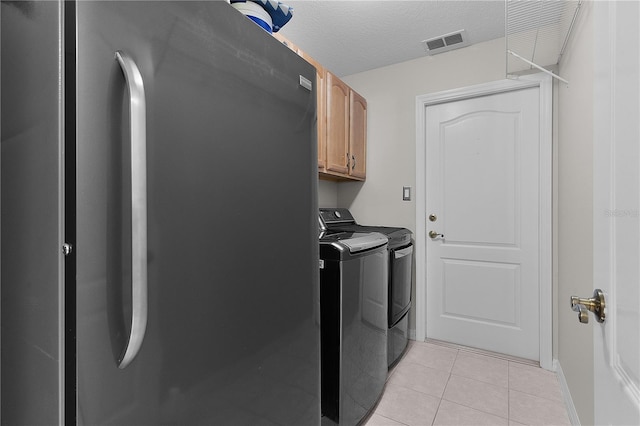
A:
137	124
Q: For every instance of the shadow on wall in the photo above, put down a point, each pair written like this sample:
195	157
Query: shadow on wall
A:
348	192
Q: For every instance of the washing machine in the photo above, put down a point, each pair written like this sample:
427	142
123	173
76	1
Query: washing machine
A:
400	253
353	324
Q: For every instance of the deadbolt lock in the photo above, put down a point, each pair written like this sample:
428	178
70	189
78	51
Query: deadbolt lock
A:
595	304
433	217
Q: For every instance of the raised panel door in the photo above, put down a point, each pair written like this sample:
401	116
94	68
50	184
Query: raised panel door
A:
321	109
482	260
357	135
337	125
616	235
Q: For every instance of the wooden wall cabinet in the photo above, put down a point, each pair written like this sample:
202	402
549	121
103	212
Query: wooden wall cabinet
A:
321	110
346	131
337	126
321	98
357	135
342	124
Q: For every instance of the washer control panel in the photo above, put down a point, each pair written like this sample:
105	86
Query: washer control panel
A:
336	215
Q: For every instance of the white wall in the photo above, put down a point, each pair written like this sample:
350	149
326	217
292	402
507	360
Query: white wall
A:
327	194
391	134
575	211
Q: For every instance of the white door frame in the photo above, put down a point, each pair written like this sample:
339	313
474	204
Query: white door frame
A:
544	82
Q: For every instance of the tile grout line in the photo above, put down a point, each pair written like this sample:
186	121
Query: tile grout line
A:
480	410
458	353
463	351
445	387
393	420
514	362
456	358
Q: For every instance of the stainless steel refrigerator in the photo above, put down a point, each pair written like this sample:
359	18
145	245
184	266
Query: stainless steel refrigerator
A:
159	217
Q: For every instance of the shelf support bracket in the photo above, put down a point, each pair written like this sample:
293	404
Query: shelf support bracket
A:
511	52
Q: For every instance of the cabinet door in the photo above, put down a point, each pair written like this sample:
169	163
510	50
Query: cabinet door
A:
321	109
321	98
357	135
337	125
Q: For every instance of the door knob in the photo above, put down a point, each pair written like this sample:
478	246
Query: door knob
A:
434	235
583	306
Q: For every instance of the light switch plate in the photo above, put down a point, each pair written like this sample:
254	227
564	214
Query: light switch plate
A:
406	193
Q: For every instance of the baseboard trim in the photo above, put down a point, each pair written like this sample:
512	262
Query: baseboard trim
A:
564	388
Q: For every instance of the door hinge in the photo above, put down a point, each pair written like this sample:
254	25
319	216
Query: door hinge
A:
67	249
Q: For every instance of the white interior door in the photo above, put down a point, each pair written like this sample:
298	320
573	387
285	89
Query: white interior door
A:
617	213
482	185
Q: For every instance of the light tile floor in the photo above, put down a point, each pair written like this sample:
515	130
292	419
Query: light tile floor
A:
440	385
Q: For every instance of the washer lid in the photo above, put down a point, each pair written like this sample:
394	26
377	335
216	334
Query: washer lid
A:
341	219
398	237
351	242
365	242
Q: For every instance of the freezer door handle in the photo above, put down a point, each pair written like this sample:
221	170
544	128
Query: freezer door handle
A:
137	123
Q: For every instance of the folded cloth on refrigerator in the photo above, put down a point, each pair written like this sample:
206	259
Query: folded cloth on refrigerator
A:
280	13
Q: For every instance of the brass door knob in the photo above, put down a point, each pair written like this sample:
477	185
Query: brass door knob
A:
434	235
595	304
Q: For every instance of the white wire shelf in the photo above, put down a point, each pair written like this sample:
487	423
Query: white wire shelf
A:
536	34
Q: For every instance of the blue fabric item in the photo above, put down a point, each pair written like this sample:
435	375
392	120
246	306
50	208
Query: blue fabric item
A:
261	23
280	13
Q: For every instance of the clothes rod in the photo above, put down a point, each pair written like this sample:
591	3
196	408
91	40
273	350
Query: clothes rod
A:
538	67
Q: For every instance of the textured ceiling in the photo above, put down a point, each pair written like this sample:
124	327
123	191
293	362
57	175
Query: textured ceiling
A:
353	36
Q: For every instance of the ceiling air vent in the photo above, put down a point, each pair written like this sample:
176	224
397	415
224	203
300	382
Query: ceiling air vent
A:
446	42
